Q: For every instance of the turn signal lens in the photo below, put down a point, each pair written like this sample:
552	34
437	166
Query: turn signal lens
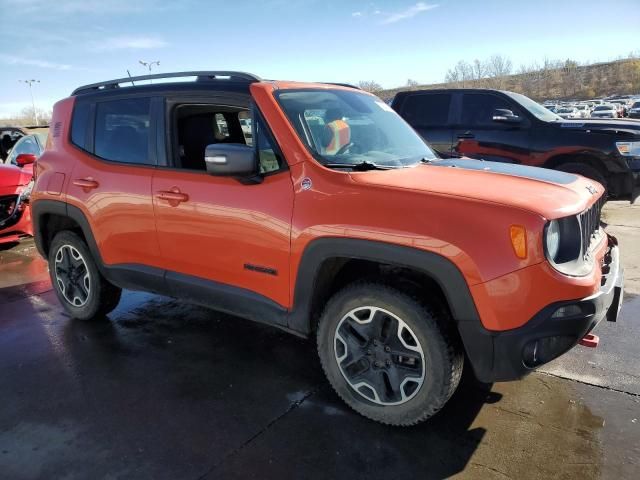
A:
519	240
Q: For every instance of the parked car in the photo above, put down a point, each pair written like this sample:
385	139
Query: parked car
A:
568	112
552	108
16	182
509	127
10	135
338	222
29	144
606	110
634	111
584	110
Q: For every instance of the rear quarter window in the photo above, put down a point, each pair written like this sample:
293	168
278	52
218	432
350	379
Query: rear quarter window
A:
80	125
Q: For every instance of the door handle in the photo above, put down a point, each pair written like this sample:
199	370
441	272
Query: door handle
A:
173	196
466	135
87	183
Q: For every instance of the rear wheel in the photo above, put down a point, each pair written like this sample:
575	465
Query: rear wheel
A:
82	290
389	356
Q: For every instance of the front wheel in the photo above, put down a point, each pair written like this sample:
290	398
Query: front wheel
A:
82	290
388	355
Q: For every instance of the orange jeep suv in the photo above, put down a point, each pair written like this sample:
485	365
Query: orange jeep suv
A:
315	208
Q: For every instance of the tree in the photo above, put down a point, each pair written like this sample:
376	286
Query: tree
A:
370	86
498	68
412	83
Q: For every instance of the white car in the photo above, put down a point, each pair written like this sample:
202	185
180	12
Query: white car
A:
568	112
584	110
605	111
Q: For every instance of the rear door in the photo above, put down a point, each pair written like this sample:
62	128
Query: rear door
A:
429	114
478	136
111	179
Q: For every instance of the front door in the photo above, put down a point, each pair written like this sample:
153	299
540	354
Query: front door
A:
217	228
478	136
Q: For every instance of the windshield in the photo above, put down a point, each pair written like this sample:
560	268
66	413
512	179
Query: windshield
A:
636	105
534	108
603	107
349	127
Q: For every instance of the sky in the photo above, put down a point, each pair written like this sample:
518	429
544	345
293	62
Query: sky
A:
68	43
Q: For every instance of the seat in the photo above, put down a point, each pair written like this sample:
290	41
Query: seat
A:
196	132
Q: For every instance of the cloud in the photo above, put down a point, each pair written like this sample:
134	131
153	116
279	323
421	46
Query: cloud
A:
129	42
33	62
408	13
356	14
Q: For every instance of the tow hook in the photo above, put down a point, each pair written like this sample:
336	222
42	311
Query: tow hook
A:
590	341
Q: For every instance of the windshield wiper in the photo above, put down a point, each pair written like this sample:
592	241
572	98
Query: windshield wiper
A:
359	167
427	160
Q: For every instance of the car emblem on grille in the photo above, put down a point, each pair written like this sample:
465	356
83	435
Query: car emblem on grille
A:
592	189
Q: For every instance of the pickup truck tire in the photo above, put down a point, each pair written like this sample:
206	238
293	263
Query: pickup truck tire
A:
83	292
584	170
388	354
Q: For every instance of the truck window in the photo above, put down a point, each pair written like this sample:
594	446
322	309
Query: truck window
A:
477	109
122	130
427	110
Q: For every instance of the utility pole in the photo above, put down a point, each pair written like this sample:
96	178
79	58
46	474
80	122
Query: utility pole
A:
149	65
33	103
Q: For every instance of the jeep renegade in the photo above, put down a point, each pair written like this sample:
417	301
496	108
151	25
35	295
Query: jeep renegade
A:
330	218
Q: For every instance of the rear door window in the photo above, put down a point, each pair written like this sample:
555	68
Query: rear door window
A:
122	130
427	110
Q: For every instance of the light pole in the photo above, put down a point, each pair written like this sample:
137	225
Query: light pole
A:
33	103
149	65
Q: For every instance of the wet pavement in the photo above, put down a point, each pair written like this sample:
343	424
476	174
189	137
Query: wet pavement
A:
162	390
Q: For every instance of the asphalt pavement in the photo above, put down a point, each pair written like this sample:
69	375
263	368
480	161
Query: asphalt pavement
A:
165	390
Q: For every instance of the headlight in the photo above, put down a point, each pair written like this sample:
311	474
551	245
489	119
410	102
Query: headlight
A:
552	239
563	245
629	149
26	193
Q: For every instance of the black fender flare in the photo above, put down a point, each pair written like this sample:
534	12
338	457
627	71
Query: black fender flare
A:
478	342
440	269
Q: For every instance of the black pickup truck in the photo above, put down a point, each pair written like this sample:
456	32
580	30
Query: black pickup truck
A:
509	127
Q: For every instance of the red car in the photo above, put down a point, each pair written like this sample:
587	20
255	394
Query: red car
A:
15	189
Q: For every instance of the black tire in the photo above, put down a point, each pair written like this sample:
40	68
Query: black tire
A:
586	171
100	298
435	334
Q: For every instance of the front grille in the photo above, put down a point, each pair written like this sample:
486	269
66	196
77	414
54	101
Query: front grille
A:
590	223
7	206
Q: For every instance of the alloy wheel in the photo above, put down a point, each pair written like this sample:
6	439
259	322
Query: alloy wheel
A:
379	355
72	275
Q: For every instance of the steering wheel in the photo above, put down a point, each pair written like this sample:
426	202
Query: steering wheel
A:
344	148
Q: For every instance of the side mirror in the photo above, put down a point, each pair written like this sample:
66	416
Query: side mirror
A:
25	159
230	160
504	115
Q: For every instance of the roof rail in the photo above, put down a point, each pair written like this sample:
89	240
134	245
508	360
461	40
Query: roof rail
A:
201	76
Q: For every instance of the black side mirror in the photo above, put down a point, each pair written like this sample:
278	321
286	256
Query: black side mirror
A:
504	115
231	160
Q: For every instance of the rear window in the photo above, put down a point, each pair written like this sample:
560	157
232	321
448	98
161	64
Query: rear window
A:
80	124
122	130
426	110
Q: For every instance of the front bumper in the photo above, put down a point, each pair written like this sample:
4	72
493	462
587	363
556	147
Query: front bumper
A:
17	224
511	354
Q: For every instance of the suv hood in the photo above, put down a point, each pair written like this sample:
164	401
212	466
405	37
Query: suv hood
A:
12	177
549	193
604	125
